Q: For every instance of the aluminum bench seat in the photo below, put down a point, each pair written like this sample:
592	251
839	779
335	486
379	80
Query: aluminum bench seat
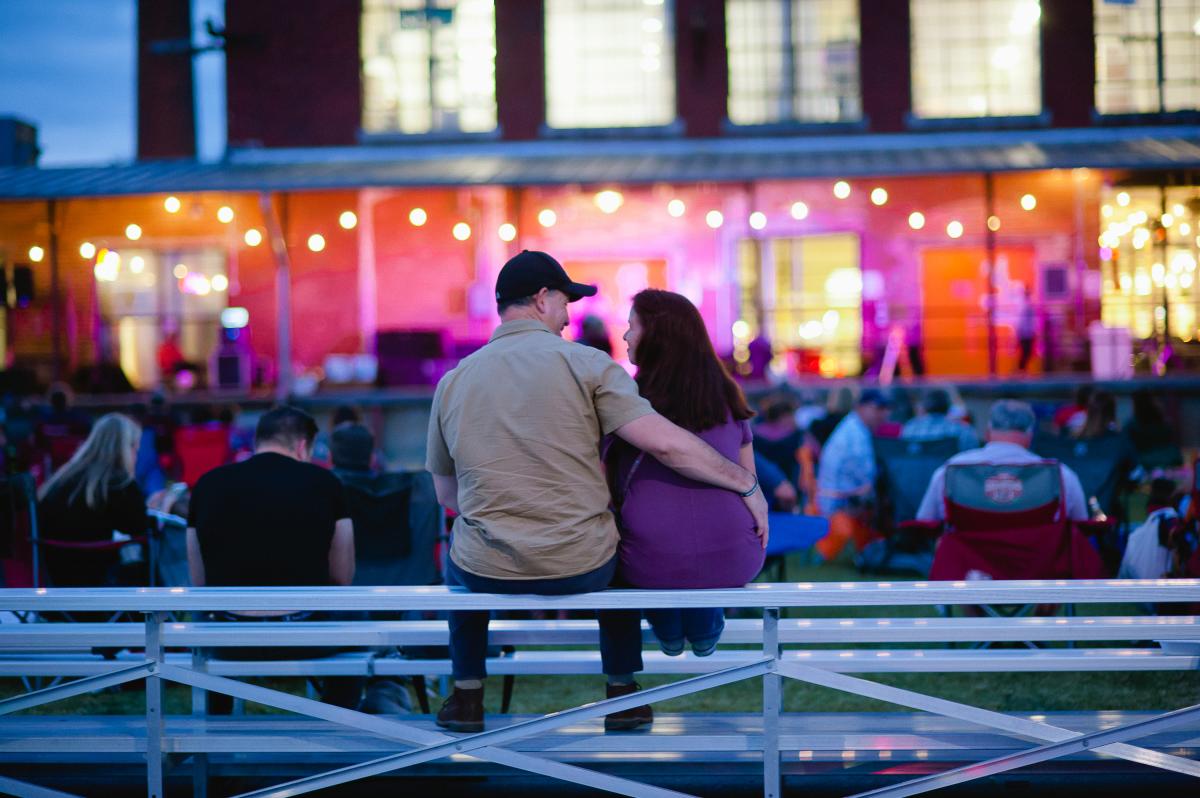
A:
36	636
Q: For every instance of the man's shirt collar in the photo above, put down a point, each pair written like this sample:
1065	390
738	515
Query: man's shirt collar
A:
518	326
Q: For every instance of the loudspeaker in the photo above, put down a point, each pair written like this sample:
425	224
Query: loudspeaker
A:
3	286
23	284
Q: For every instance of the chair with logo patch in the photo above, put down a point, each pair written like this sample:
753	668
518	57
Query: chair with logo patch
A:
1010	522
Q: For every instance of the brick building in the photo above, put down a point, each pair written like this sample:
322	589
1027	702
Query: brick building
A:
846	178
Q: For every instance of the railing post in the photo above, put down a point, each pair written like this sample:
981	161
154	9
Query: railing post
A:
772	706
154	706
199	709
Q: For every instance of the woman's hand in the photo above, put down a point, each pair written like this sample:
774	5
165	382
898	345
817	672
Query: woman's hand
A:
757	504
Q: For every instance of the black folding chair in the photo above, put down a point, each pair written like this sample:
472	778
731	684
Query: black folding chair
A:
398	526
904	470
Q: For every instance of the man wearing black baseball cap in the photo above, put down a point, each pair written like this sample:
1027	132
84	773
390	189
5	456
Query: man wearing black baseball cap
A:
529	271
513	447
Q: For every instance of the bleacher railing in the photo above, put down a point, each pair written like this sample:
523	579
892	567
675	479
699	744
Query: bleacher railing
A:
422	745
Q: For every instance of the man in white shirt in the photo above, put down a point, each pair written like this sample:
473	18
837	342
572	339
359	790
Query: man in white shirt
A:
1010	431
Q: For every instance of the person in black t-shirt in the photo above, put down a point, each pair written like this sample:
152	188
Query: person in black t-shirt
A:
274	519
278	520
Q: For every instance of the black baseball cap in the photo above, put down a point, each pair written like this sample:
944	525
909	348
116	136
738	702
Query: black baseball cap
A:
529	271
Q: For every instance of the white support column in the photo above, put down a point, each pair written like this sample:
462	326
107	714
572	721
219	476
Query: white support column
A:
283	297
368	301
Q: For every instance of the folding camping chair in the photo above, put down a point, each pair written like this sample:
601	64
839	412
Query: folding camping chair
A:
18	519
1102	465
398	526
200	448
1010	522
904	470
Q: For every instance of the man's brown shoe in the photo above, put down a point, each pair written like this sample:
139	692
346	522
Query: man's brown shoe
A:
463	711
628	719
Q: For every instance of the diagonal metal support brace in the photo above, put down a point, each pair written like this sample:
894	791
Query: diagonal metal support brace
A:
984	717
22	789
1087	742
518	731
404	733
88	684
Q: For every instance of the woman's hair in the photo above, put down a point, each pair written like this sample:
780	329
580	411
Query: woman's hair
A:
1101	415
678	370
104	461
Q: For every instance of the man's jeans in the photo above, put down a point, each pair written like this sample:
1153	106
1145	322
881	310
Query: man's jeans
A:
620	630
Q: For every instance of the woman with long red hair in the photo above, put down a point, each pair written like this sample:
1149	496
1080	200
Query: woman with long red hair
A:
676	532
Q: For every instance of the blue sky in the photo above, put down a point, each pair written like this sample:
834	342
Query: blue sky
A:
69	67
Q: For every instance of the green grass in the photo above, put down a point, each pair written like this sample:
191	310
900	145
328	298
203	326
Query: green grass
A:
1045	692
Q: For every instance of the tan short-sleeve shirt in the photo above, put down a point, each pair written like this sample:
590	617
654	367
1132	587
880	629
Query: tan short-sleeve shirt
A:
519	424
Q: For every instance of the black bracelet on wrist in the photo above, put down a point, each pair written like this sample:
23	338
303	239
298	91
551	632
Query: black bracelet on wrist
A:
750	492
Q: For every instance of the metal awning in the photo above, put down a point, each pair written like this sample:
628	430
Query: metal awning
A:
610	161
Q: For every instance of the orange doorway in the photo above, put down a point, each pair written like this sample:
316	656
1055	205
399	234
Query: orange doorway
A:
954	309
617	281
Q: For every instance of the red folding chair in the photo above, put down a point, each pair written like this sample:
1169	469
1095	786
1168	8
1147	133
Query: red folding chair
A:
1010	522
200	449
18	517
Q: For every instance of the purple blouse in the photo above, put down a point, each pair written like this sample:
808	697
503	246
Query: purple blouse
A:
679	533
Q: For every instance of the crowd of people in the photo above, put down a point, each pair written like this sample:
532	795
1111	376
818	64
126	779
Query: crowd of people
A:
563	473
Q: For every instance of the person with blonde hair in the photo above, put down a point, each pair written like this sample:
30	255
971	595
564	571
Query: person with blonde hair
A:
92	496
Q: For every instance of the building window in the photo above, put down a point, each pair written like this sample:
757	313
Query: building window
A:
973	58
429	66
808	302
1132	38
793	60
609	63
143	295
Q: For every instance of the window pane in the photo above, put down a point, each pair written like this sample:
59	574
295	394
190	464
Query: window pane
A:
1181	55
429	65
976	58
609	63
793	60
